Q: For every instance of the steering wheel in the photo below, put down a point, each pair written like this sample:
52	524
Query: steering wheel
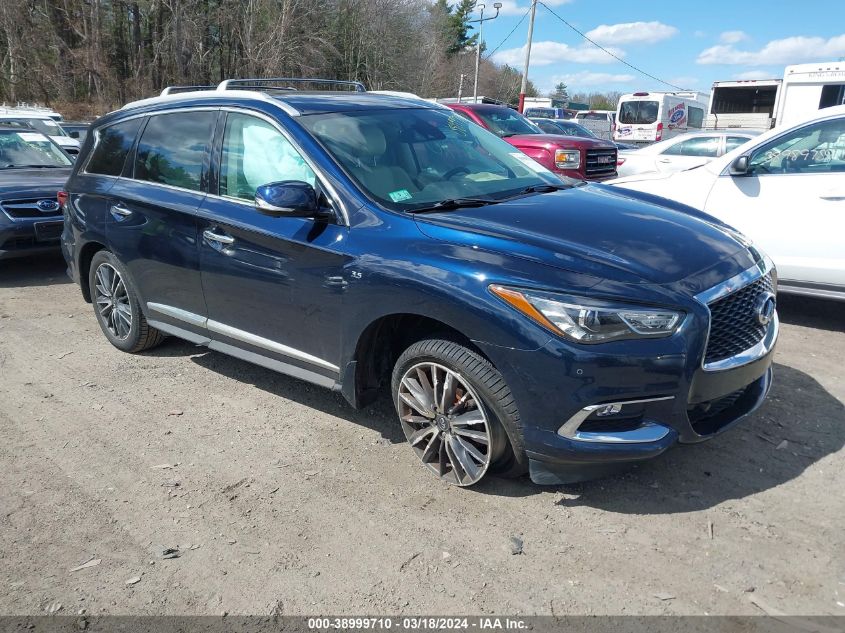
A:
454	172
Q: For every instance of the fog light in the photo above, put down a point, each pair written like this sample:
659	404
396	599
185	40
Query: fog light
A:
608	409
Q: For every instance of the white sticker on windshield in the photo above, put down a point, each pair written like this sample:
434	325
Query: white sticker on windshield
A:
31	136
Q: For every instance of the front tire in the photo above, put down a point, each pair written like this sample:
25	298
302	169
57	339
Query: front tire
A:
454	406
116	306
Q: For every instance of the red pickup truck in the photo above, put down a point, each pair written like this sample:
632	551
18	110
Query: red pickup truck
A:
573	156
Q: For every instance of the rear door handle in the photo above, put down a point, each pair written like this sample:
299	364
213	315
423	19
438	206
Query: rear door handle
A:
833	195
120	212
665	160
217	239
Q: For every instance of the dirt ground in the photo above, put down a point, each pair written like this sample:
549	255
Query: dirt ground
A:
282	499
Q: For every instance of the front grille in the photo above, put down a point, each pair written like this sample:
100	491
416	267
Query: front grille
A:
600	163
27	208
734	327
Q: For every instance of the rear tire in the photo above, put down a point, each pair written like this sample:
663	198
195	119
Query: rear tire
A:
116	306
457	412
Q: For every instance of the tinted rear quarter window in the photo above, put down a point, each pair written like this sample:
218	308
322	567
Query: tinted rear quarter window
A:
112	147
173	148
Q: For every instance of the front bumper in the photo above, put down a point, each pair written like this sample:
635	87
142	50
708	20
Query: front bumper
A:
29	236
588	411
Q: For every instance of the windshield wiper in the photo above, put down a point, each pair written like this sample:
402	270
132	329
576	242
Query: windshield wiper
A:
453	203
544	188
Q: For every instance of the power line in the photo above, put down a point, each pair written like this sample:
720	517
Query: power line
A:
513	30
616	57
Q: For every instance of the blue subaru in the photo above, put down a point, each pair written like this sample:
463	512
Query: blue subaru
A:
32	171
369	242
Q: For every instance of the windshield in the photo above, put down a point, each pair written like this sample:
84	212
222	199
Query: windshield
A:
573	129
45	126
29	149
540	113
506	122
638	112
408	158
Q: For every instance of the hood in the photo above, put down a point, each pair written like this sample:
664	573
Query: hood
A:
558	141
32	183
608	233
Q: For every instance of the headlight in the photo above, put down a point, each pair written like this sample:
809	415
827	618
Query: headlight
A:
590	320
567	158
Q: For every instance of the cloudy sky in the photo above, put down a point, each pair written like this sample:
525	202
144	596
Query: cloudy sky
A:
690	44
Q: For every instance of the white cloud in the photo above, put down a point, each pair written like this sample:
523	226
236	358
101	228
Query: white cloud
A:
632	32
700	33
733	37
580	80
790	50
756	74
547	53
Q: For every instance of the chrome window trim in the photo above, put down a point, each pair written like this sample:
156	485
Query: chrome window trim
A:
646	432
96	132
335	200
763	267
726	171
197	320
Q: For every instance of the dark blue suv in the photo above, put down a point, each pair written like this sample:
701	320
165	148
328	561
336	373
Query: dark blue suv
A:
364	242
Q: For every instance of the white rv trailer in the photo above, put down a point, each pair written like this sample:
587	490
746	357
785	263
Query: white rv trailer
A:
810	87
747	103
646	117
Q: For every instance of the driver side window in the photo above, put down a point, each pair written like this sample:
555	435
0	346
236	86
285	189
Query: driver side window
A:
813	149
255	153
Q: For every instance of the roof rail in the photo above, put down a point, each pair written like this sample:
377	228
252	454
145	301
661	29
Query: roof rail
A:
257	84
170	90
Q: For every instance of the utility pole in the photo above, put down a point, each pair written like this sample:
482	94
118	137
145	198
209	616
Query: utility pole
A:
481	20
524	86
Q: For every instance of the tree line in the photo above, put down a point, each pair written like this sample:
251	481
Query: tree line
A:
106	52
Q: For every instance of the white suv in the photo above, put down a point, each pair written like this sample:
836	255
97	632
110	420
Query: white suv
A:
786	190
43	123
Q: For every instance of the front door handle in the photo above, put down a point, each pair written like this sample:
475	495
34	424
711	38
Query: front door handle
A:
120	212
216	238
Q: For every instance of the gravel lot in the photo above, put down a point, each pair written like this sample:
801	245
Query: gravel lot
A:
281	498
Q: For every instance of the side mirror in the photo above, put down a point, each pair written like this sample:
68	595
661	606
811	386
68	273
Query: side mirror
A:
288	198
740	166
74	134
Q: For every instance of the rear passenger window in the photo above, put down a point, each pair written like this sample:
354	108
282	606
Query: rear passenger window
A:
173	147
113	144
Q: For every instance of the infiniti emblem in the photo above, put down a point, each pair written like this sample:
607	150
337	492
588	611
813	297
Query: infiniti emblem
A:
47	205
765	308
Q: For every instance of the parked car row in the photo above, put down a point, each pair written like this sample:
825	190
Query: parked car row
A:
785	189
582	158
519	319
681	152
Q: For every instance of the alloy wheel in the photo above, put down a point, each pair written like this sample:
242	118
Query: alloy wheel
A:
445	423
112	301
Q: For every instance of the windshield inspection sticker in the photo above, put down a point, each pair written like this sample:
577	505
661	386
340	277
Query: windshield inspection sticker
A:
31	136
400	196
